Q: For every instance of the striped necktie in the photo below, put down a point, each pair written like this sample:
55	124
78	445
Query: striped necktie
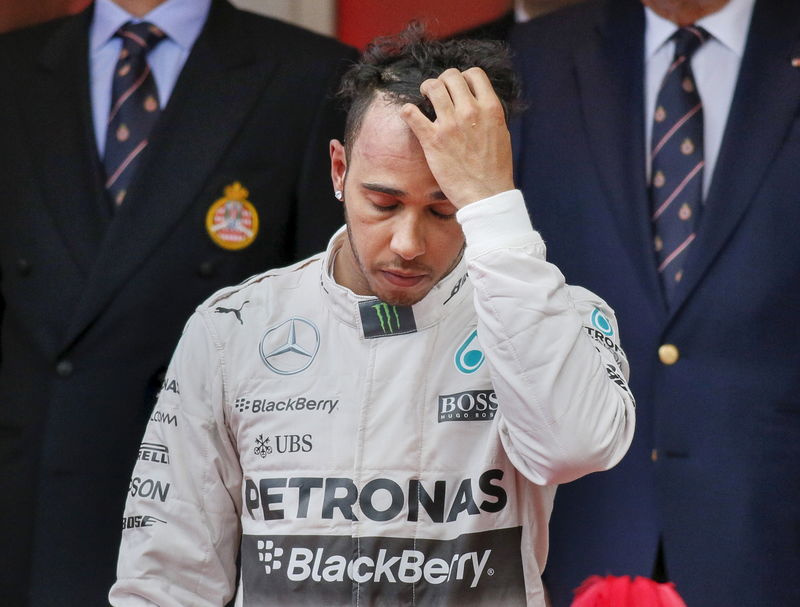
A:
676	182
134	107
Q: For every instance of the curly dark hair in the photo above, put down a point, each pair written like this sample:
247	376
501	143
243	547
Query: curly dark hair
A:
396	66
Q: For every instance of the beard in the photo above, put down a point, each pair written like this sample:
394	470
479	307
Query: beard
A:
400	297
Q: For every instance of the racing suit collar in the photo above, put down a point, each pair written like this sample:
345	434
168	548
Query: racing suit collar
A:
348	307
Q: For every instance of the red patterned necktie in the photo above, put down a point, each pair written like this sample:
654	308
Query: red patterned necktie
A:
676	181
134	107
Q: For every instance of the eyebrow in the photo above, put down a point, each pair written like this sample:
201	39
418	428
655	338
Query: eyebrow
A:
382	189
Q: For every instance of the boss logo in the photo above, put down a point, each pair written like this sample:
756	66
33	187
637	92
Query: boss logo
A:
472	405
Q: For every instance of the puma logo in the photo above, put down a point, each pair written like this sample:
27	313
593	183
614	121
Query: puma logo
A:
237	312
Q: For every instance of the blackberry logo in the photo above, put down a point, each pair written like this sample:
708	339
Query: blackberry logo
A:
269	554
300	403
409	567
476	568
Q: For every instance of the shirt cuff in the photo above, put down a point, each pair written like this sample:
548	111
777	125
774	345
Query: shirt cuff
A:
500	221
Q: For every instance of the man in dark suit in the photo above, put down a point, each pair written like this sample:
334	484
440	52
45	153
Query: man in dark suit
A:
95	288
709	493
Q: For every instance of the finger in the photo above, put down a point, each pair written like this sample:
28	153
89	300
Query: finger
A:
416	121
479	84
437	93
484	92
457	87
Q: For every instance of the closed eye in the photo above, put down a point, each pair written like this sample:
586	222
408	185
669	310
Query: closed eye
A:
443	216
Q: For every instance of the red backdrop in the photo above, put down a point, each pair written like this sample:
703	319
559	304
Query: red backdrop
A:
359	21
18	13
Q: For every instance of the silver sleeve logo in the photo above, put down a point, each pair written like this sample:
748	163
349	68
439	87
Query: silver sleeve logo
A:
482	568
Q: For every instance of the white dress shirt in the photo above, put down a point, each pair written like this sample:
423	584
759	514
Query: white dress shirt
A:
715	66
181	20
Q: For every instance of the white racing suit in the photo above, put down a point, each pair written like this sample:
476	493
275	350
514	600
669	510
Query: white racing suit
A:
358	453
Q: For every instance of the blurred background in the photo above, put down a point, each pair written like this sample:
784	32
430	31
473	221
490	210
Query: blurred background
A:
355	22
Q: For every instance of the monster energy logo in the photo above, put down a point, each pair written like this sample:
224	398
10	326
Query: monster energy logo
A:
380	319
387	314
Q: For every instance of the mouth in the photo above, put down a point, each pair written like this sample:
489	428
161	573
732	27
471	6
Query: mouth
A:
403	279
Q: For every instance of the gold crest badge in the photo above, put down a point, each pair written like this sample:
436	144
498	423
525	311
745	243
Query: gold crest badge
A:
232	221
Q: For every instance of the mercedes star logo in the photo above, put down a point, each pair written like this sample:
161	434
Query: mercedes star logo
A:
290	347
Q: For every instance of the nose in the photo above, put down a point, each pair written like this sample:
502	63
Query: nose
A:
408	238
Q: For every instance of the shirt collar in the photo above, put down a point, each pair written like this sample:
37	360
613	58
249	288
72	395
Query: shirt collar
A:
182	21
728	26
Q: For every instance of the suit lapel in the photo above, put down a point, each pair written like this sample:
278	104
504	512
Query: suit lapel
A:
62	140
610	79
217	87
764	105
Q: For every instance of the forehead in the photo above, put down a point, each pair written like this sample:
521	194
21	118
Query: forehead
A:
385	139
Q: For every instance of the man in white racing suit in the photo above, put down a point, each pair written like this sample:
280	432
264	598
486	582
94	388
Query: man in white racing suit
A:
384	423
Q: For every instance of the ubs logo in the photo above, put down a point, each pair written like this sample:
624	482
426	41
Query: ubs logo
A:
284	443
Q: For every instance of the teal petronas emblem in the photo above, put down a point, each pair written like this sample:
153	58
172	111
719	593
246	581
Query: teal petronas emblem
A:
601	323
469	357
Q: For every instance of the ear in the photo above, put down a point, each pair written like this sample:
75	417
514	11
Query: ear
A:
338	164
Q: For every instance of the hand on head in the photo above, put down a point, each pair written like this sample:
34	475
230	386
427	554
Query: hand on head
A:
468	145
